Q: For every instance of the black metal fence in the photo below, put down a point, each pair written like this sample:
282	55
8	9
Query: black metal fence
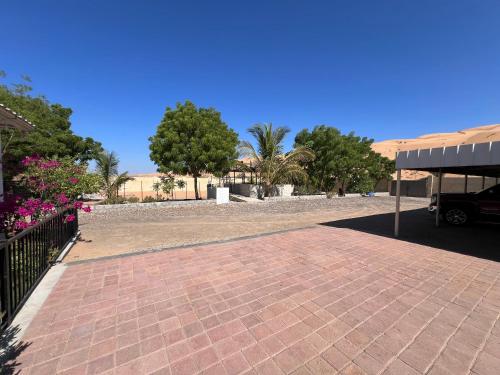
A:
26	257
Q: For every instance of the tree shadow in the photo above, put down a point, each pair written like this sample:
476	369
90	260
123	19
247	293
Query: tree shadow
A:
417	226
10	349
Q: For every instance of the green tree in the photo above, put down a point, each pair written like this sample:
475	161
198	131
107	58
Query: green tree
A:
157	188
327	144
52	136
191	140
111	180
274	166
167	184
346	161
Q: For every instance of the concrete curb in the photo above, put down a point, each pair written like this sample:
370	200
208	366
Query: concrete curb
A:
37	298
68	247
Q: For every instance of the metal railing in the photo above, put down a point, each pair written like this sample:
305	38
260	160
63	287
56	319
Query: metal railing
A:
26	257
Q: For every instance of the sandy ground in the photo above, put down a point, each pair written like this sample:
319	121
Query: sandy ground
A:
106	233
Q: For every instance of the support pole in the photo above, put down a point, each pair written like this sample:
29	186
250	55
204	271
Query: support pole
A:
466	183
398	203
438	202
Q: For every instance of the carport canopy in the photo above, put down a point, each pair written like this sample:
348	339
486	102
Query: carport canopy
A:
10	120
480	159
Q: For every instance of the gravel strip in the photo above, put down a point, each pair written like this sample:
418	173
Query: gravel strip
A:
137	213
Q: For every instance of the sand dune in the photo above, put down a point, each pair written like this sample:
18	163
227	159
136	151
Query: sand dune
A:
480	134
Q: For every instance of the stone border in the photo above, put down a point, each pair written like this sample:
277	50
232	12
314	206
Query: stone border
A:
111	207
158	249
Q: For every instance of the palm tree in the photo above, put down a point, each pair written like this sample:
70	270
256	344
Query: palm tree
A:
107	168
275	166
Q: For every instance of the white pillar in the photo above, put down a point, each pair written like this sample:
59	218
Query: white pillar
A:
398	203
438	202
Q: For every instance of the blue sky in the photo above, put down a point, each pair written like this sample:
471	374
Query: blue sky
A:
385	69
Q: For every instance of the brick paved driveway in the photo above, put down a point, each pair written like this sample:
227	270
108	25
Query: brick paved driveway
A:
313	301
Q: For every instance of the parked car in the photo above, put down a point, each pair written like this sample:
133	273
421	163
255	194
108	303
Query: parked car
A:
460	209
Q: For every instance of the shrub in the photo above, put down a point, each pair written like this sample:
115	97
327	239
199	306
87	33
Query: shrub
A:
133	200
331	194
305	190
115	200
148	199
47	186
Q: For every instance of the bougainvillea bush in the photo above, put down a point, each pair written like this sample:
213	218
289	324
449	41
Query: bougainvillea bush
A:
44	188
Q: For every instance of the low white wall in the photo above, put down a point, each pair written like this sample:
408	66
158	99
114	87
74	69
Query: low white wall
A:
283	190
247	190
256	191
222	194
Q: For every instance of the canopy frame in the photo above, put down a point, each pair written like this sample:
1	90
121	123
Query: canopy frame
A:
480	159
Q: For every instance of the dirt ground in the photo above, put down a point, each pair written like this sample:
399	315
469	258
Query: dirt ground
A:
126	230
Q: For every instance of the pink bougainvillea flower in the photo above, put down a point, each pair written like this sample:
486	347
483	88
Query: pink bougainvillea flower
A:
20	225
47	206
73	180
87	209
23	211
69	218
62	199
33	203
78	205
49	164
29	160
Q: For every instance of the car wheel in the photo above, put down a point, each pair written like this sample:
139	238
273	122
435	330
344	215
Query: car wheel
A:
456	216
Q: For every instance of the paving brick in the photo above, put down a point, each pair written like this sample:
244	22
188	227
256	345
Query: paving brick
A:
128	354
205	358
287	361
130	368
221	309
255	354
335	358
272	345
101	365
155	361
236	364
353	369
178	351
226	347
319	366
368	364
487	364
184	366
73	359
45	368
268	367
